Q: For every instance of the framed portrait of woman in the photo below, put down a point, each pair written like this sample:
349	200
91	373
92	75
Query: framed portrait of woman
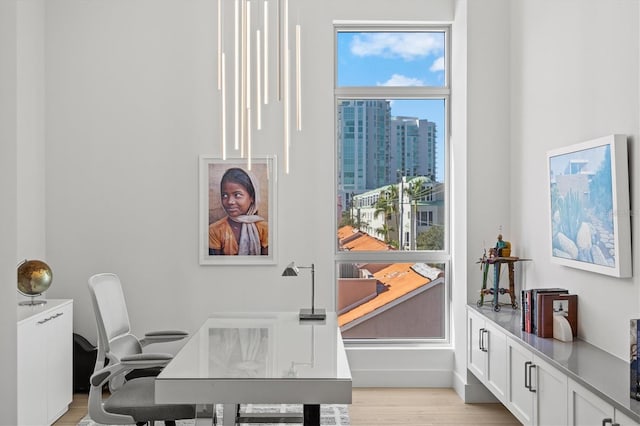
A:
237	219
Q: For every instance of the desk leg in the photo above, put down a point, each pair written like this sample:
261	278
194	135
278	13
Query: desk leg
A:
229	412
205	415
311	415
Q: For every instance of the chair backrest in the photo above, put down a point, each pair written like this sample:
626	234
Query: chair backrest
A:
112	318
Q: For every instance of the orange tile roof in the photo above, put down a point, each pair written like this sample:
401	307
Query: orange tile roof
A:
346	232
366	243
399	279
352	239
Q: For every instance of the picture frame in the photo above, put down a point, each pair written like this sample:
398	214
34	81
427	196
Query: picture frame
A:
223	228
589	212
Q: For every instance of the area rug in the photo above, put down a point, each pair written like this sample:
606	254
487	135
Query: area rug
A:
330	415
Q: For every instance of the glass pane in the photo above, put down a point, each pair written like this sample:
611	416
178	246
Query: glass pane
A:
391	174
391	59
391	300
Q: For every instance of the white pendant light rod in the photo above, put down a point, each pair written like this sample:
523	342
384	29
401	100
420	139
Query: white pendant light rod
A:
286	86
258	82
219	44
248	83
243	86
298	81
279	51
223	107
265	50
236	86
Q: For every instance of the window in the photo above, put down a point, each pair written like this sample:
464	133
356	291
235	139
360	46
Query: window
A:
392	255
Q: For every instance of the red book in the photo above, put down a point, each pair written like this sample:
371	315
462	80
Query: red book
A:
527	313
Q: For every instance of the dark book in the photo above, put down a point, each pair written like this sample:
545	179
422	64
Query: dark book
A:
550	304
534	299
637	394
634	382
527	313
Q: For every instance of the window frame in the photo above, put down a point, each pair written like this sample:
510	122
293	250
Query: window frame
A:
399	92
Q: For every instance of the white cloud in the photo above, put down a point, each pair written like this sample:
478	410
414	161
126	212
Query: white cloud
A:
407	46
402	80
438	65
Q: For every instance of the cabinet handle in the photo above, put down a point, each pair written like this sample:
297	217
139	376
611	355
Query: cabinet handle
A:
481	339
531	365
484	347
527	375
42	321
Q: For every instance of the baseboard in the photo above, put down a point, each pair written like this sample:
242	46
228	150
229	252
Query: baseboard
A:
402	378
477	393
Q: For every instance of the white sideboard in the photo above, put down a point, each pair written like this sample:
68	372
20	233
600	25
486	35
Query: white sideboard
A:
45	361
543	381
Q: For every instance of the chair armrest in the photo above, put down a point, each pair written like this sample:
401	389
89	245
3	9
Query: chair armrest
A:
128	363
146	360
163	336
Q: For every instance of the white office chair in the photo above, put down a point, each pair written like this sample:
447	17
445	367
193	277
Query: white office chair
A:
115	340
134	401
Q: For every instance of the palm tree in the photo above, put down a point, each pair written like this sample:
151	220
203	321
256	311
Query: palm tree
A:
385	230
386	206
416	190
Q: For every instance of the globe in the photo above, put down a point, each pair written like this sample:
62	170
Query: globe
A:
34	278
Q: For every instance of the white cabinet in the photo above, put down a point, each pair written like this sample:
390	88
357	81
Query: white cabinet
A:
586	408
519	393
537	383
45	361
487	354
536	391
550	394
623	420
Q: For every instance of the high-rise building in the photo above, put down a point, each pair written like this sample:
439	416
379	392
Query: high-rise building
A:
413	147
363	146
376	149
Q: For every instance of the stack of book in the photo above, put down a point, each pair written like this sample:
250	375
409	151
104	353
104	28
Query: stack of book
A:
539	305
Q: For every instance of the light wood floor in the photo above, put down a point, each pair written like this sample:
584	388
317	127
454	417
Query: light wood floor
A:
388	407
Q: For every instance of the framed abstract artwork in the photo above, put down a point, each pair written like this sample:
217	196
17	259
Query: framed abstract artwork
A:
589	206
237	219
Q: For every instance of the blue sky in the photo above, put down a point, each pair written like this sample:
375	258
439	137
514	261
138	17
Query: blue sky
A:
397	59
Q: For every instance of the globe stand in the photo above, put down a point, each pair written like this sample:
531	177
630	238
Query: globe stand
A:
32	301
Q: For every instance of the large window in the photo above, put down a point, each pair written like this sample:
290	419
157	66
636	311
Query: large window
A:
392	254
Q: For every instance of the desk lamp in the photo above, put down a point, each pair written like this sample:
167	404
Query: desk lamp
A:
306	314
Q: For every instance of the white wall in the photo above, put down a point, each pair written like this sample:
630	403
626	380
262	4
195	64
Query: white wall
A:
574	74
481	149
8	194
131	102
31	132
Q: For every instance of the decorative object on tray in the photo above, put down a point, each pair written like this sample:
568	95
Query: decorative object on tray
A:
498	255
34	278
589	206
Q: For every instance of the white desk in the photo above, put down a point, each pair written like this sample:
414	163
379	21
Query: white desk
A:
260	358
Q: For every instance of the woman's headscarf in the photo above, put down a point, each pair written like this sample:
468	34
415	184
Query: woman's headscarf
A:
249	243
